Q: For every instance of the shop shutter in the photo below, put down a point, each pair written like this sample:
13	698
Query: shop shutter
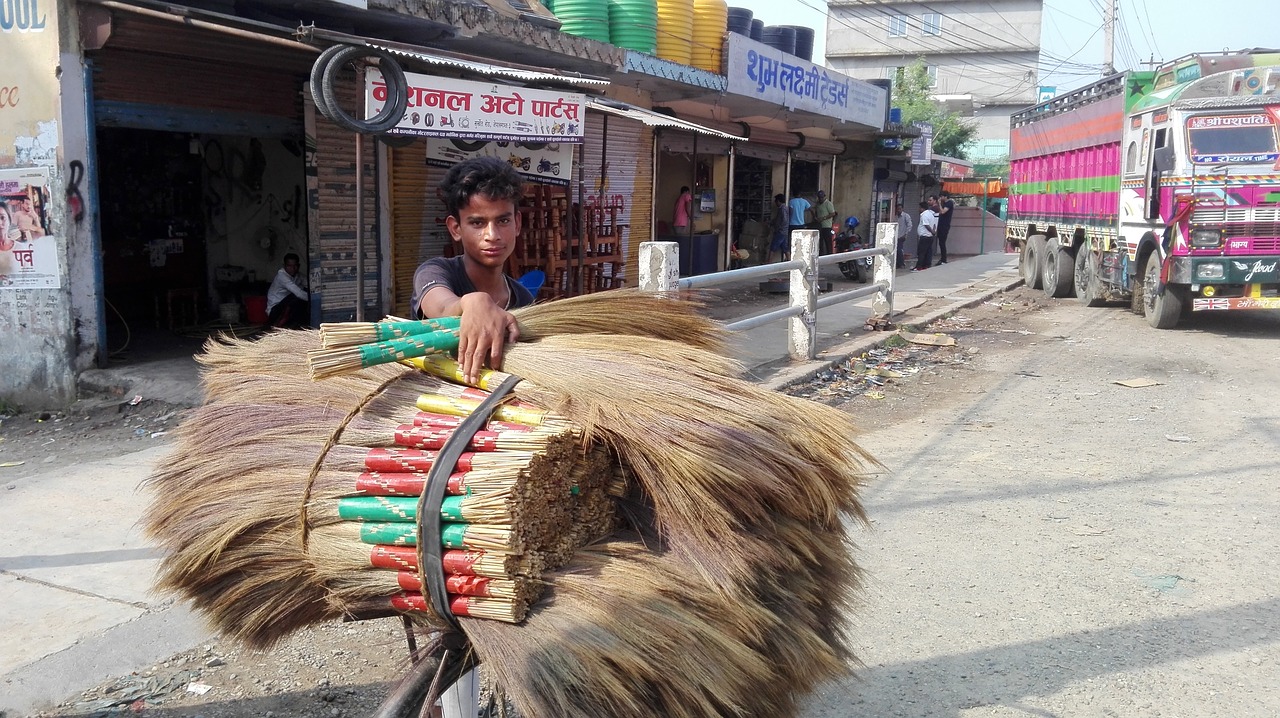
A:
767	153
418	232
627	183
678	142
159	75
334	220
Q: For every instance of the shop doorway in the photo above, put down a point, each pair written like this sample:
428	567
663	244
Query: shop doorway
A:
194	227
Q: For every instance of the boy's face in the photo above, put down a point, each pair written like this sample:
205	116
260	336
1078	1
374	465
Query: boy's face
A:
487	229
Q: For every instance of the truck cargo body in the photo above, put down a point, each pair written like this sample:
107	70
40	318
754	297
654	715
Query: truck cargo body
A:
1157	187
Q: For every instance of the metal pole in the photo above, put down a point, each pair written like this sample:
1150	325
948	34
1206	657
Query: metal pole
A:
653	187
982	236
728	208
360	211
576	283
693	188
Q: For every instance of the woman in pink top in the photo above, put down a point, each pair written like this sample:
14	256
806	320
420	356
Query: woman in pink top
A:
684	203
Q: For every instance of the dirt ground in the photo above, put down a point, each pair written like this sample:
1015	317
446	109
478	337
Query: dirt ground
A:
343	670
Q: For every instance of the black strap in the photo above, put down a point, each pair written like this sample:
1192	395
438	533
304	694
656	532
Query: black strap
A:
430	550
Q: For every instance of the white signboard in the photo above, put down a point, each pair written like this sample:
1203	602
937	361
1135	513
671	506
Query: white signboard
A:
28	253
544	162
467	110
922	146
759	71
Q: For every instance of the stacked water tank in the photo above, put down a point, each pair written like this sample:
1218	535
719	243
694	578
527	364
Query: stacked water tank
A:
675	30
584	18
633	24
710	18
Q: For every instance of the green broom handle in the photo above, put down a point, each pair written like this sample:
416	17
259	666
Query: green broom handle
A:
392	350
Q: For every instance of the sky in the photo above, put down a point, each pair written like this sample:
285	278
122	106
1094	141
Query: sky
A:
1072	44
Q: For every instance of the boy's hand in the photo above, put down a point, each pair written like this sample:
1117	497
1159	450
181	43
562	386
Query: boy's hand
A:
484	331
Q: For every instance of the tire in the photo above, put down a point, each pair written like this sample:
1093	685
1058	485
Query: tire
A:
1032	264
1088	278
849	270
1058	271
397	86
1162	309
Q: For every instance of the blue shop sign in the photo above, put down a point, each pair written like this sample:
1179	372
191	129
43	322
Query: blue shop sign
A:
765	73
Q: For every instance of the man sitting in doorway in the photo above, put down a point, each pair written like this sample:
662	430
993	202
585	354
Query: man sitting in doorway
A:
288	304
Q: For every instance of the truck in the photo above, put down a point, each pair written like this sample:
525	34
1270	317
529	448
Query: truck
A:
1160	188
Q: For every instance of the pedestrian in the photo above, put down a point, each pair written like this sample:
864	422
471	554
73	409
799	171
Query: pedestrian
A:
480	195
800	209
905	225
780	226
946	210
288	304
824	213
682	212
927	229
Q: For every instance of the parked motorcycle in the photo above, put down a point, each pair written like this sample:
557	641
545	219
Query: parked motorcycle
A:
848	240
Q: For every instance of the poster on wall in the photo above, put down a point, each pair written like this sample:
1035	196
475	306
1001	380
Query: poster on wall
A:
543	162
28	254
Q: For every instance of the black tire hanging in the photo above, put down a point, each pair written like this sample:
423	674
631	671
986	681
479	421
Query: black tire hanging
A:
324	73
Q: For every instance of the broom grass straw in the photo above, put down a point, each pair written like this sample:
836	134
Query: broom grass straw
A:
339	484
347	334
338	551
499	508
471	537
332	362
494	609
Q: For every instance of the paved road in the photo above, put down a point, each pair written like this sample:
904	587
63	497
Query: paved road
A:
1048	543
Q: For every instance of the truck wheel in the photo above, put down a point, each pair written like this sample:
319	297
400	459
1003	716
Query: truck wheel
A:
1162	309
1058	270
1032	252
1088	278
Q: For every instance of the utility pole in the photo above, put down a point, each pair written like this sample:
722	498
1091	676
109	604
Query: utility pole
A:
1109	37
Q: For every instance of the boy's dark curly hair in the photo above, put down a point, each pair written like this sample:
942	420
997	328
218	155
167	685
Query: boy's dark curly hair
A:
487	176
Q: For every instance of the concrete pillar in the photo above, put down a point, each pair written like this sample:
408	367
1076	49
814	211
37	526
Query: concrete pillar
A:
886	239
659	266
802	331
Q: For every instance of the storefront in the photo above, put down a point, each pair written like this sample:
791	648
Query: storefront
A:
199	173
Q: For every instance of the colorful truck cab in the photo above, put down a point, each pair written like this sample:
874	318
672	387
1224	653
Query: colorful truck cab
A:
1161	188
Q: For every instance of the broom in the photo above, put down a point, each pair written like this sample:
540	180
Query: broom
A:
346	334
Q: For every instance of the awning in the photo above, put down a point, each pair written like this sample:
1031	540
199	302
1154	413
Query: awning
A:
992	188
653	119
485	68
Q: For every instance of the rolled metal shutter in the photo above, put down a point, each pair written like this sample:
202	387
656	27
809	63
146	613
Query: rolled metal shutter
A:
334	228
626	183
418	232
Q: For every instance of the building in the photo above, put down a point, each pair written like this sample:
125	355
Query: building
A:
983	55
178	154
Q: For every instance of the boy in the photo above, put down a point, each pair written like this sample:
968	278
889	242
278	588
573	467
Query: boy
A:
480	195
928	228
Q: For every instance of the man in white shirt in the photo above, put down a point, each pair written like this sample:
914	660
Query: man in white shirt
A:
928	230
288	304
905	225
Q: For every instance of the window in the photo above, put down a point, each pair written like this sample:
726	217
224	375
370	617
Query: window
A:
1131	158
897	25
894	72
931	24
932	70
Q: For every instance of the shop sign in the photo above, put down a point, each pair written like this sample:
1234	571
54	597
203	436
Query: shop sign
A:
765	73
544	162
28	254
922	146
468	110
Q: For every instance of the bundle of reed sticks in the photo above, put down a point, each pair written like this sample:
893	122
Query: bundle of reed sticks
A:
688	532
520	500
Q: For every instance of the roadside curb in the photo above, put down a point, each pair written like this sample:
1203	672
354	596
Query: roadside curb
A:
798	374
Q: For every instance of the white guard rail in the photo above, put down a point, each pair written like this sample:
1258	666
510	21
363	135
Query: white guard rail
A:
660	272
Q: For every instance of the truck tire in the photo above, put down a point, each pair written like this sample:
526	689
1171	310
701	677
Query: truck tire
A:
1088	278
1059	265
1162	309
1032	252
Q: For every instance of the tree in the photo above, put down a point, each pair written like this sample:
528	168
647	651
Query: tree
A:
912	93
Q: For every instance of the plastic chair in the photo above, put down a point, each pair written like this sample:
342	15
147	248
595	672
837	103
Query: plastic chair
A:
533	280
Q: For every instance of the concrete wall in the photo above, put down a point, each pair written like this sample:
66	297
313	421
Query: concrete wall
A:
972	233
37	350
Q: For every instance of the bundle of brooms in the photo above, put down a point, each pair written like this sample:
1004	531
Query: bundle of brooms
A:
716	581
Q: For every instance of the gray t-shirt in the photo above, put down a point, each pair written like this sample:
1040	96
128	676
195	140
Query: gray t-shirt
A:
450	272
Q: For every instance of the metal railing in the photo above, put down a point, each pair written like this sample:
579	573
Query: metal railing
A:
660	272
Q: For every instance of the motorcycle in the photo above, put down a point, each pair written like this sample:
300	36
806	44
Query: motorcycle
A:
848	240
